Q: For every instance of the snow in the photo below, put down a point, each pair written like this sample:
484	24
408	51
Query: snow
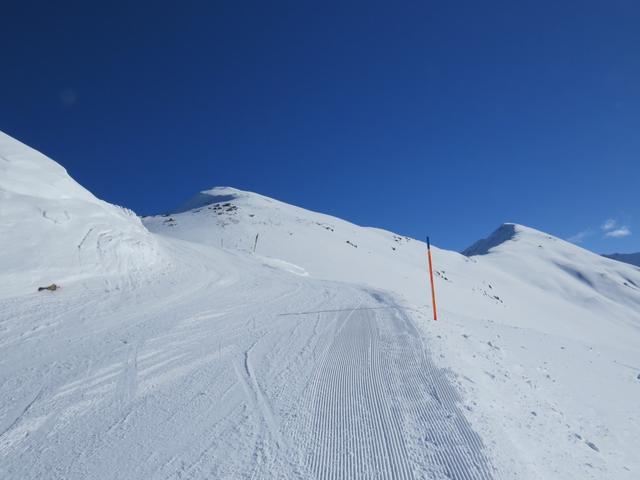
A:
242	337
506	232
54	230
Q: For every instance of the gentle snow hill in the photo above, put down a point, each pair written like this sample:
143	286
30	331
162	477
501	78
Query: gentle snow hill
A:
52	230
630	258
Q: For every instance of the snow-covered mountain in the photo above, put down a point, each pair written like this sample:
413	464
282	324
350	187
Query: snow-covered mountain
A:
630	258
540	267
529	310
252	338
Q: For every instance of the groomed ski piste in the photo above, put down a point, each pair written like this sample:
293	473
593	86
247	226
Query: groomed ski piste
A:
241	337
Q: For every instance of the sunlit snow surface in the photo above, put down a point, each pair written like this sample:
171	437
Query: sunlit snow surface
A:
247	338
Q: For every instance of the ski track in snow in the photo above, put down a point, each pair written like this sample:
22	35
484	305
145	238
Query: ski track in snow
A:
233	385
373	390
213	366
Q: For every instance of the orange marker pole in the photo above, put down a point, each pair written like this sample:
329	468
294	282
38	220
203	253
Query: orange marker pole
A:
433	287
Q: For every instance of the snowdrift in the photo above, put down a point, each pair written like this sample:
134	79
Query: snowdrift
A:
52	230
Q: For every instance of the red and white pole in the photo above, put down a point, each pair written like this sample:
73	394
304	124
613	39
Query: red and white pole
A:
433	287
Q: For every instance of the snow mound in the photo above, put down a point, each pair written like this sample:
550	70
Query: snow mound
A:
53	230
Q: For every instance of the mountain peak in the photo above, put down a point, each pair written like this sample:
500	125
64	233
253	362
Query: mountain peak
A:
216	195
209	197
504	233
509	232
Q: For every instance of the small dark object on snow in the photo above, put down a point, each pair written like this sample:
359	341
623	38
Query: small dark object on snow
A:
592	446
53	287
638	377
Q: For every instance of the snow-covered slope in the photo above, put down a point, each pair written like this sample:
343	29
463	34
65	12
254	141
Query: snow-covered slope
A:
538	329
52	230
560	269
249	338
326	247
311	243
630	258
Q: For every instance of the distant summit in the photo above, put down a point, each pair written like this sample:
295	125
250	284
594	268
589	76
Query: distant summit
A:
210	197
504	233
630	258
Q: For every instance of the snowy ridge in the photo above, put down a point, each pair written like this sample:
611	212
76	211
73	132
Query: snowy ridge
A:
505	233
562	268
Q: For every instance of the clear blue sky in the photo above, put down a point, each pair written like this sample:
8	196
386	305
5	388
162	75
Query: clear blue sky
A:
440	117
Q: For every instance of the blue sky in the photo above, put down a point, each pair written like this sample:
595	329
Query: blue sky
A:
447	118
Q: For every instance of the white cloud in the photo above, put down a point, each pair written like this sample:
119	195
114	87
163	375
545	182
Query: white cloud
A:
618	232
580	236
609	224
610	228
